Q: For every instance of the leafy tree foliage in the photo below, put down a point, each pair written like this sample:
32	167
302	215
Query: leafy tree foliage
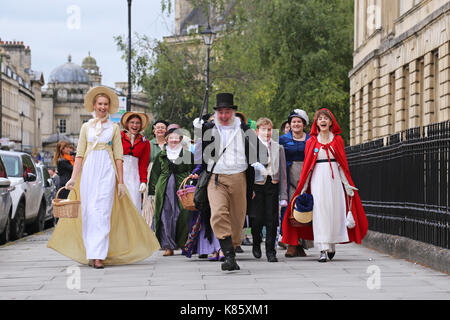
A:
274	56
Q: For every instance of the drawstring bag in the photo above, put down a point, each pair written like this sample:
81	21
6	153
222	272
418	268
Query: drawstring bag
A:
350	221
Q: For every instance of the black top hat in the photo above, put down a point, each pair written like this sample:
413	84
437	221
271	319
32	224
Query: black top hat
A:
224	100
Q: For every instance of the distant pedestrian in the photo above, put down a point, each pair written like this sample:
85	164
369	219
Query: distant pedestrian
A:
136	155
285	128
64	163
270	192
109	230
326	176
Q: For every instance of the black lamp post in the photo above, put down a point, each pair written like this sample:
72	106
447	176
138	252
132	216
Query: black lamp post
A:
208	38
129	57
22	118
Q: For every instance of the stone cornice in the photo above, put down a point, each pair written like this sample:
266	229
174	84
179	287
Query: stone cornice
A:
388	44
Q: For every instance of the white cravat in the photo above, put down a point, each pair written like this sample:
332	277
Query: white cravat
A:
173	154
98	127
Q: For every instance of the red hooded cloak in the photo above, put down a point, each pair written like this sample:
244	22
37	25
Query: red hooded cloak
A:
292	234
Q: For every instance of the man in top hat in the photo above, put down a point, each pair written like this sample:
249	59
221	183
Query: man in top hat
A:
229	148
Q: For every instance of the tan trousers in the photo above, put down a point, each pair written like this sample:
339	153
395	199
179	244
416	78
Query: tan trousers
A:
228	201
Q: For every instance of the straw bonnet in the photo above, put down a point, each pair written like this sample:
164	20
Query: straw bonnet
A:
144	119
113	99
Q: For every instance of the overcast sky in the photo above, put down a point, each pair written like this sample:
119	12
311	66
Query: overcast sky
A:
56	28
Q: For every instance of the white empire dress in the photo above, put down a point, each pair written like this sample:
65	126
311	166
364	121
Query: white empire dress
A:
329	211
132	180
97	196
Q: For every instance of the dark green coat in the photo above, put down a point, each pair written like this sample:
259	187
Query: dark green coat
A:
159	177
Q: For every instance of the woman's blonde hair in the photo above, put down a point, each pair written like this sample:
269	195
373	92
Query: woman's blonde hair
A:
59	148
101	95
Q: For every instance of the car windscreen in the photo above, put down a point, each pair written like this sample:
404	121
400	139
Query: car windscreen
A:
12	166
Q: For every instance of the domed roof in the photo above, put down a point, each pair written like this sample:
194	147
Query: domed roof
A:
69	72
89	61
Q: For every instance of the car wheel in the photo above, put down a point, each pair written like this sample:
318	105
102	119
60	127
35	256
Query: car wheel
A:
4	236
39	223
18	223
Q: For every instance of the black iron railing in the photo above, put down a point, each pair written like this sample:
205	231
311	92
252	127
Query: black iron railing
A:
403	182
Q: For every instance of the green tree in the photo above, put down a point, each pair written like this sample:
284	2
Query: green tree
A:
170	77
274	56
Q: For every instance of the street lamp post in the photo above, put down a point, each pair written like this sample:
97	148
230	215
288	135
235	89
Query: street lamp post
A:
129	57
22	117
208	38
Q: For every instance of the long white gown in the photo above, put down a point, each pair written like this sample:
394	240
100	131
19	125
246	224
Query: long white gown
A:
132	180
97	196
329	212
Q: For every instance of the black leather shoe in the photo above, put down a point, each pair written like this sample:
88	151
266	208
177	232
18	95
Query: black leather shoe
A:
228	250
230	264
272	257
331	255
239	249
256	250
323	256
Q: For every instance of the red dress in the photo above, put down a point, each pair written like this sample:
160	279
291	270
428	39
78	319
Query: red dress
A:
292	234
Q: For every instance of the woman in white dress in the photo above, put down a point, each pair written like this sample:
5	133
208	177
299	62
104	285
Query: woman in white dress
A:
136	155
338	215
105	202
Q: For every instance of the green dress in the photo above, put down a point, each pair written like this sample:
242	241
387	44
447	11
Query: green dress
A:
160	180
154	149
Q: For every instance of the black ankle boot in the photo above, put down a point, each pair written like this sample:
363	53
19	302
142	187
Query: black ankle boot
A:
256	250
228	250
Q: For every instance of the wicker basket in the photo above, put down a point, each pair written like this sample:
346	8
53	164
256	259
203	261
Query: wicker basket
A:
186	196
65	208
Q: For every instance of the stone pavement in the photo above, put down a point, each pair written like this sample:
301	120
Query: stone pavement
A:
29	270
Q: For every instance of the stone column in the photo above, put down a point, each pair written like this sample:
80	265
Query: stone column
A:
444	79
414	112
428	89
400	102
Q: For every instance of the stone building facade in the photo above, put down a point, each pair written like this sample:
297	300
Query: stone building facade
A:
401	71
21	94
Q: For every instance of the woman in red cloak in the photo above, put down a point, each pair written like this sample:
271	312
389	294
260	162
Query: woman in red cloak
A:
326	176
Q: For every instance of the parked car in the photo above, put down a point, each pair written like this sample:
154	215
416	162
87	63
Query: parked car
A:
29	204
5	204
49	193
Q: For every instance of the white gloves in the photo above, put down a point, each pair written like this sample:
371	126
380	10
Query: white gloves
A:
142	187
260	167
350	190
283	203
70	184
121	190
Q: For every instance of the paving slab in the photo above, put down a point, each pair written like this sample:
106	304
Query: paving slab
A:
31	271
